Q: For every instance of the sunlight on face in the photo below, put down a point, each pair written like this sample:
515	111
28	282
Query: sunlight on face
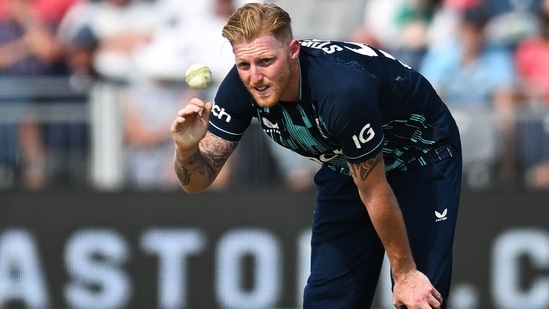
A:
264	66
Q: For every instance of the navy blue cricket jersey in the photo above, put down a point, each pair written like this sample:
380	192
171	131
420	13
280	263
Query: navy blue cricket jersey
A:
355	101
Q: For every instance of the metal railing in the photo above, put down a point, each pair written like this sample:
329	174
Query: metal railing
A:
83	146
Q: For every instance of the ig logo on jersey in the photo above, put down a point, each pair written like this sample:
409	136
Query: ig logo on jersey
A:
365	135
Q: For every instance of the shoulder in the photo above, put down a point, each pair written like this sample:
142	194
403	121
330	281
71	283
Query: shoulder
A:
339	64
233	108
352	55
342	80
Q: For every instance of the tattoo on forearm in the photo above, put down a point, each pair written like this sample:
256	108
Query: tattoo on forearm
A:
364	169
183	167
207	161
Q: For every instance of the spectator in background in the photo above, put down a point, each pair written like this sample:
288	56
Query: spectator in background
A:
495	8
115	29
377	29
532	63
414	19
28	50
477	78
155	90
464	70
192	28
406	28
510	21
78	52
119	26
187	32
69	139
53	11
324	18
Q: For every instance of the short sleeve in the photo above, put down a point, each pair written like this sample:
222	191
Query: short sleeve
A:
233	109
355	120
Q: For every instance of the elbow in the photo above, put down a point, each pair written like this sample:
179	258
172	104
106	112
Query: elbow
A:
189	190
192	189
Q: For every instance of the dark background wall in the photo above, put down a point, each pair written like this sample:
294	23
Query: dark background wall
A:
241	249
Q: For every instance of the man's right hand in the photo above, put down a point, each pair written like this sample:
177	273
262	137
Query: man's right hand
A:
191	124
415	291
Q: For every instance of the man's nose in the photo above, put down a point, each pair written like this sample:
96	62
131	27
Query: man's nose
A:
256	74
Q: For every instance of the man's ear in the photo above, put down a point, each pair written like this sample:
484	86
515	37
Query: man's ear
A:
294	49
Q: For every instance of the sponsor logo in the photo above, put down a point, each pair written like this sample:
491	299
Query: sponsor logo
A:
220	113
441	216
269	124
327	157
365	135
270	127
320	129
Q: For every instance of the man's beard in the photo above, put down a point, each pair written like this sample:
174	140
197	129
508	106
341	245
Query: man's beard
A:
277	87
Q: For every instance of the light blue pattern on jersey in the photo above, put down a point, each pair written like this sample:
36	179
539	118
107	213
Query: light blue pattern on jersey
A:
304	132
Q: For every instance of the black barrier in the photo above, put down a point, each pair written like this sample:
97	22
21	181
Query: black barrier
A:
242	249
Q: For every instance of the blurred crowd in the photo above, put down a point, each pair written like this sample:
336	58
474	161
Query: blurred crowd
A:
488	59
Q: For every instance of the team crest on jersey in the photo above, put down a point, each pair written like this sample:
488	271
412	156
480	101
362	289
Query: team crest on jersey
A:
270	127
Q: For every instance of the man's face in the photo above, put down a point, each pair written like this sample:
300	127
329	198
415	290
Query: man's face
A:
265	68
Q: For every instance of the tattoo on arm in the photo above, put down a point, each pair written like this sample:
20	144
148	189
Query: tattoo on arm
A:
207	161
364	169
183	168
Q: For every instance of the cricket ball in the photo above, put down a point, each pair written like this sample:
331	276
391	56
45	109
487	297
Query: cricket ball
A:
198	76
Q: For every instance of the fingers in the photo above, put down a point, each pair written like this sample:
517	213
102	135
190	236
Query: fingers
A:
437	295
436	299
207	110
433	302
195	108
176	124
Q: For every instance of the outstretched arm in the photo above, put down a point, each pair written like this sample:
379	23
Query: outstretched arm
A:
412	288
199	155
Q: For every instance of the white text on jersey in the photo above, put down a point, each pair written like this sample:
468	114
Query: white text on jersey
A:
365	135
220	113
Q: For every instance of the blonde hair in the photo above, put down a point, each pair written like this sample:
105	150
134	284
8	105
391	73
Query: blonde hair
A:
253	20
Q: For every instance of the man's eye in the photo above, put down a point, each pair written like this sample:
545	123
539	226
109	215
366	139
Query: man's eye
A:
243	66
